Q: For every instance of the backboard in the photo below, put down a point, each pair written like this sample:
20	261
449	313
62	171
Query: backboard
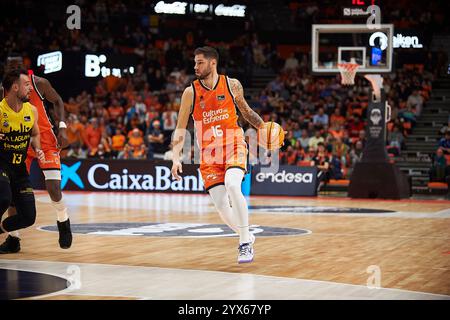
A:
371	48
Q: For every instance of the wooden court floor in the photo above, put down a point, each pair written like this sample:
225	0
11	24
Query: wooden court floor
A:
410	246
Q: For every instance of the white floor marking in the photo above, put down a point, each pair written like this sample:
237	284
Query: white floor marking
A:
166	283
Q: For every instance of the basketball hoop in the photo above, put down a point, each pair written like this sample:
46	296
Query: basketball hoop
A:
348	72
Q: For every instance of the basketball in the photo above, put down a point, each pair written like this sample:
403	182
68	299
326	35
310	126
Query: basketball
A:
271	136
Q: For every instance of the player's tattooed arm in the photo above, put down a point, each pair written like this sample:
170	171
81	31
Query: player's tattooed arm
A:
251	116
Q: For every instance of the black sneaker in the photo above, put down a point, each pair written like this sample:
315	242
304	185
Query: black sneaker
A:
65	234
11	245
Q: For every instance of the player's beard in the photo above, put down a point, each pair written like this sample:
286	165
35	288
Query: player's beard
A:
24	98
205	74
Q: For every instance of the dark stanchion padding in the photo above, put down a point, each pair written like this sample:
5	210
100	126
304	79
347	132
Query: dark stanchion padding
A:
378	180
375	176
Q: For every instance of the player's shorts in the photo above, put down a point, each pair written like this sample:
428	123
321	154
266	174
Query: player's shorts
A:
52	164
214	165
19	182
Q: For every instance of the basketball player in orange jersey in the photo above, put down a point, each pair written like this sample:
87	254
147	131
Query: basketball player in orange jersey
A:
51	145
212	100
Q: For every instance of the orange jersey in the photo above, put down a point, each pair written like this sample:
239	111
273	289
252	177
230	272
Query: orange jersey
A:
49	142
37	100
215	115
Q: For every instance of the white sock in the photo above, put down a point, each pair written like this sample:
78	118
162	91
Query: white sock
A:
220	199
14	233
61	210
233	181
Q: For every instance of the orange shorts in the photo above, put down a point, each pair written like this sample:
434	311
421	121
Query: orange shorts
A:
49	145
213	168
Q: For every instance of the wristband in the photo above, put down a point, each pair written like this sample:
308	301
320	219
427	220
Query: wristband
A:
62	125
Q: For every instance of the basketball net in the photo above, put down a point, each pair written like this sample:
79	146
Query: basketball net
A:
348	72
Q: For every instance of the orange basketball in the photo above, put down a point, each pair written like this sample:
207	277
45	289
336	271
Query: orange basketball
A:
271	136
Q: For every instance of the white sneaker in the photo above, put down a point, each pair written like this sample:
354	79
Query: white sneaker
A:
245	252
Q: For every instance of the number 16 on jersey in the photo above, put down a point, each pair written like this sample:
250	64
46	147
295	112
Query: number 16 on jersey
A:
217	132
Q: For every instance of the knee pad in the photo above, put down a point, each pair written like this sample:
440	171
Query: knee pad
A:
28	221
52	175
233	180
233	188
27	214
220	198
232	184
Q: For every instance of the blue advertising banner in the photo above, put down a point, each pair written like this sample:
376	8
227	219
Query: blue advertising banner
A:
122	175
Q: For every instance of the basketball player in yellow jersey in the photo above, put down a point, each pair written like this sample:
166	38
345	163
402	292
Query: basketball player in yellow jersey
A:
212	100
51	145
18	126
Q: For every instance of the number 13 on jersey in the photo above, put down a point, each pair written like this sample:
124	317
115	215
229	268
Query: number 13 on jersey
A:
17	158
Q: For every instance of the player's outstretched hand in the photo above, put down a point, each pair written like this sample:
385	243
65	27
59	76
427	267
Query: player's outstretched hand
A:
177	167
2	136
